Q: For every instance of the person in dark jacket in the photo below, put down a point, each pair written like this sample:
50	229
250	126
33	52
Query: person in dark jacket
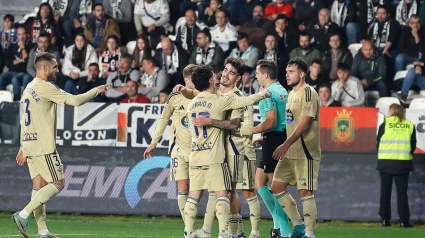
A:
257	28
345	16
396	142
186	33
367	14
314	77
321	30
370	68
278	56
16	57
334	56
172	59
286	35
305	13
410	44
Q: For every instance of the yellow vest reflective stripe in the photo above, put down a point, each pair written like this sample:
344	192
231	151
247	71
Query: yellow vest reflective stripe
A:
395	142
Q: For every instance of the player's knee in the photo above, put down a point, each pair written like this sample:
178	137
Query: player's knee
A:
305	193
182	186
278	187
248	193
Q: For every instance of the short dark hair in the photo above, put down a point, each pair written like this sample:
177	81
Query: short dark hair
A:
325	85
166	91
94	64
9	17
304	33
316	61
300	63
127	56
188	70
115	37
242	35
268	67
44	34
223	11
201	77
383	6
343	66
40	57
281	17
21	26
334	34
95	5
236	63
206	33
248	69
149	59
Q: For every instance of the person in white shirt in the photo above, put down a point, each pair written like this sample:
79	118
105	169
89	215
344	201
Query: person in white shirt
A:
347	89
223	33
152	17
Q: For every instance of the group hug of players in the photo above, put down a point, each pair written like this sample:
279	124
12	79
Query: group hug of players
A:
211	148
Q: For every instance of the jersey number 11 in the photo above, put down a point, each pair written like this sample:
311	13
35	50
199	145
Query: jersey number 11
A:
204	128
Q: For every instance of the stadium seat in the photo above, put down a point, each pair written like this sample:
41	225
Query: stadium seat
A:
384	104
400	75
422	93
409	66
6	96
371	97
418	104
354	48
131	45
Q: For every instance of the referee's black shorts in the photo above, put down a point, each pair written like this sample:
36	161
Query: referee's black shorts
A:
271	140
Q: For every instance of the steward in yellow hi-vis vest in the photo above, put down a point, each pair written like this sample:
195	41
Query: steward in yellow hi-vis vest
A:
396	143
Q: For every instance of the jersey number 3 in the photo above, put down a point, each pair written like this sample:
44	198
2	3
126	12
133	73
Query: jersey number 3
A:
27	111
204	128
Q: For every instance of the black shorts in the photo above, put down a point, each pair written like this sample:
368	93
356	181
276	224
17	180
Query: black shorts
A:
271	140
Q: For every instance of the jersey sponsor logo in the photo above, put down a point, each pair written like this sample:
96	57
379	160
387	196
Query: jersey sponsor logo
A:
30	136
185	123
282	97
201	146
289	116
342	129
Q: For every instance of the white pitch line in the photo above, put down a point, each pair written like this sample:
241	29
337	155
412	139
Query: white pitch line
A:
99	235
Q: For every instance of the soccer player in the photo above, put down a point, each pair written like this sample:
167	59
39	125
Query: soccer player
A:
236	142
176	106
207	167
299	155
38	140
273	127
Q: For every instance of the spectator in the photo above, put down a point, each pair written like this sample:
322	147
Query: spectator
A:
369	66
405	9
209	16
345	16
305	51
16	57
141	51
152	18
8	35
325	97
132	95
334	56
243	12
224	34
410	45
93	81
368	14
119	78
163	95
257	28
415	76
245	51
305	13
347	89
122	12
84	12
108	60
186	34
43	45
172	60
314	77
249	85
43	23
153	80
321	30
279	7
385	32
99	27
78	58
286	35
64	14
207	52
279	57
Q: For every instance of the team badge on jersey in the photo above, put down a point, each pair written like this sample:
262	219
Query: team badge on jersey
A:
184	122
289	116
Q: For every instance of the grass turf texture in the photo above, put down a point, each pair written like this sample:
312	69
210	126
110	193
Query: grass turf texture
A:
159	227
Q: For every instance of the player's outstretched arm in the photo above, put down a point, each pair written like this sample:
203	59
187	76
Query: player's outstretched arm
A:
240	102
222	124
77	100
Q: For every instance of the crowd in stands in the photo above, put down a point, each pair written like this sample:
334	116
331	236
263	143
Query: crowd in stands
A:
142	46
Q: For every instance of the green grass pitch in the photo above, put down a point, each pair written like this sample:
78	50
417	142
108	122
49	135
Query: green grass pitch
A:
158	227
